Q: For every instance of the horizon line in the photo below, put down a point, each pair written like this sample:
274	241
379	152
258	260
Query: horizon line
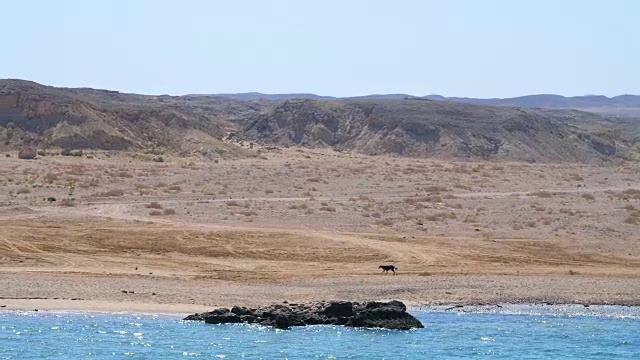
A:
315	94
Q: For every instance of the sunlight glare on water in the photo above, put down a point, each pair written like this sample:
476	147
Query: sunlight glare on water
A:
447	335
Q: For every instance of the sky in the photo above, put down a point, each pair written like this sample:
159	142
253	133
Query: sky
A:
472	48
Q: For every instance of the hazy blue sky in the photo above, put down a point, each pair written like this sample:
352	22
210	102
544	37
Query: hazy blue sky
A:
477	48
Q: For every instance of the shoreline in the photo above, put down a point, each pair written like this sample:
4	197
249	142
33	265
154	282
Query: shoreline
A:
68	305
137	308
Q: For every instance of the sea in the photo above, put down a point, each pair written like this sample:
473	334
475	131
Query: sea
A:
492	332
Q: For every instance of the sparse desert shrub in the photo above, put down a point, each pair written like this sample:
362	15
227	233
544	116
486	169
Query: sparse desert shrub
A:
629	194
385	222
268	191
470	219
633	218
50	177
537	207
145	192
541	194
435	189
155	213
567	211
314	179
23	190
588	197
67	202
124	174
327	208
441	216
110	193
154	205
324	203
299	206
248	213
169	212
232	203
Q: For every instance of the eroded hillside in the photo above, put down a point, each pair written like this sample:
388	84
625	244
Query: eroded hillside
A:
45	117
423	128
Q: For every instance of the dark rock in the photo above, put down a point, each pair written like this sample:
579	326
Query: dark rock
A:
339	309
388	315
391	315
27	153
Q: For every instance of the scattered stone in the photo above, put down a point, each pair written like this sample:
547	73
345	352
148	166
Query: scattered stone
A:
27	153
70	152
7	155
158	159
387	315
41	152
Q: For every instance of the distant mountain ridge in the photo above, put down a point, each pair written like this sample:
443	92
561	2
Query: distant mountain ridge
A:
622	105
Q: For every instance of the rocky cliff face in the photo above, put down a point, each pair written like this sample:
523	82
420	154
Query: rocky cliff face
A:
432	129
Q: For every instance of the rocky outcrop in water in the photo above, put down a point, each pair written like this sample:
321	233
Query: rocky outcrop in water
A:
388	315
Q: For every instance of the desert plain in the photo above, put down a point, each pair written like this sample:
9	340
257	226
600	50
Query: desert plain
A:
127	233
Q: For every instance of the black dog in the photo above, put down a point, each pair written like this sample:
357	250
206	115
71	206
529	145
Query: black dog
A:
386	268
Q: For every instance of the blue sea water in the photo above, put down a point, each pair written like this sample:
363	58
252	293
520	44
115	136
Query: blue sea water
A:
520	332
